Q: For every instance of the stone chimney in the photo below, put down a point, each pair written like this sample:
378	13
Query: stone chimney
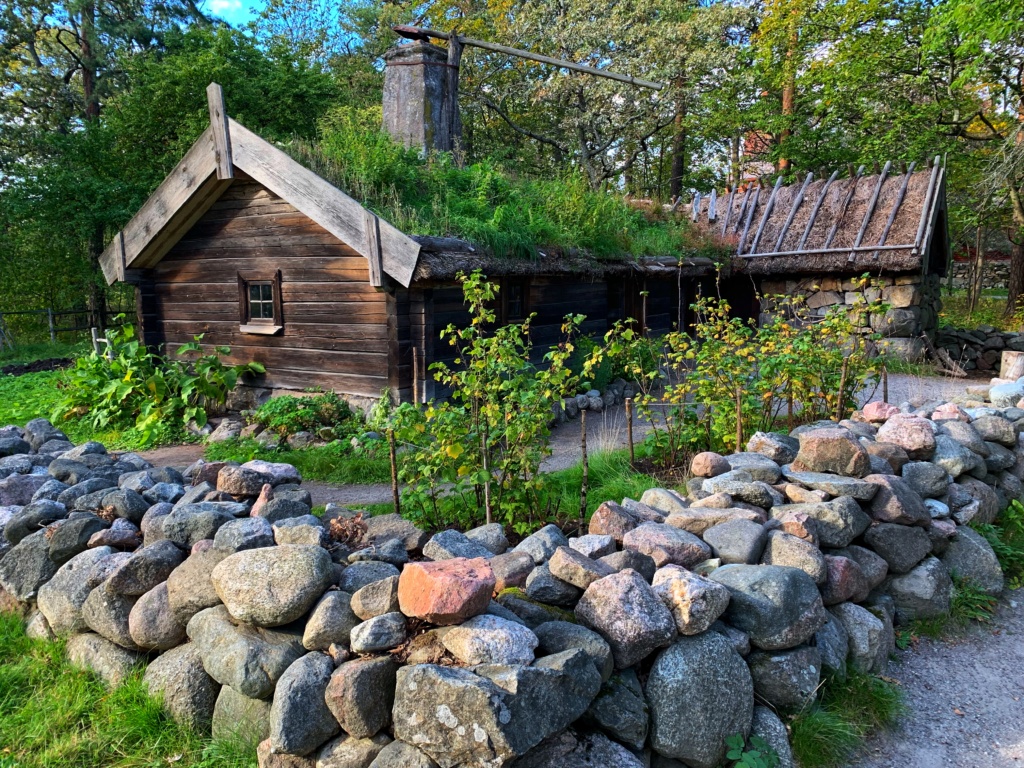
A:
414	95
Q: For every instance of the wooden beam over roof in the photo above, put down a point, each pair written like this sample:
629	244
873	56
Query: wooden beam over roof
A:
208	169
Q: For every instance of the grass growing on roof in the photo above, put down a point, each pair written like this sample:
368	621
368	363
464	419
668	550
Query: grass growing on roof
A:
55	716
484	203
827	732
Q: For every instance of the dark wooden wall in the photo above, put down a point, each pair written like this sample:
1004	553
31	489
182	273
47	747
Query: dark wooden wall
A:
338	331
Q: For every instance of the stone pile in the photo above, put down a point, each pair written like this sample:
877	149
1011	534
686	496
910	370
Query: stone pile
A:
642	642
980	349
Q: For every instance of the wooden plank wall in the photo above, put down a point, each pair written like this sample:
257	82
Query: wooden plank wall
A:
336	332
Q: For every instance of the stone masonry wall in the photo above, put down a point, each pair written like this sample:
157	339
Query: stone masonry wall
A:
914	301
643	641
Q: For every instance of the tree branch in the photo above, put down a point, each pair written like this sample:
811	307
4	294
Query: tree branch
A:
559	150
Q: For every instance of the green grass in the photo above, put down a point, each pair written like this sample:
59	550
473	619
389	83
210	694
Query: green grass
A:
969	604
1006	536
34	395
826	733
610	478
989	311
28	353
335	463
485	203
55	716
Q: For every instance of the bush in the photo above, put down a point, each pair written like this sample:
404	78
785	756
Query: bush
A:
289	414
1007	539
482	448
735	377
130	384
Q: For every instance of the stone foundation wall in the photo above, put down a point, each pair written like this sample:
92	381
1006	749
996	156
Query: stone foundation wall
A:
980	349
914	300
331	641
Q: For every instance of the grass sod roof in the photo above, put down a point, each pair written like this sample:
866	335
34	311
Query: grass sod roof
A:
906	194
483	216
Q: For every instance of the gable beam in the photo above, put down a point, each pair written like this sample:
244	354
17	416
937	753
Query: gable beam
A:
325	204
221	134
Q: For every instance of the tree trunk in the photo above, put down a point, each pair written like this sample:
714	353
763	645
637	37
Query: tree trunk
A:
97	296
977	270
1016	282
789	88
88	61
675	184
734	161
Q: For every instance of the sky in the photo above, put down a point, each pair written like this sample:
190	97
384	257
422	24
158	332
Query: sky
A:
236	12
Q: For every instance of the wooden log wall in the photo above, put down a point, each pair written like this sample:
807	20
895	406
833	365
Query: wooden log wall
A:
336	335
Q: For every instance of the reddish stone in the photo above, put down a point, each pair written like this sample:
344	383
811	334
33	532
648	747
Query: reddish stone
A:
203	545
611	519
208	473
709	464
447	591
266	494
801	525
268	759
911	433
832	449
878	411
800	495
511	569
845	582
948	411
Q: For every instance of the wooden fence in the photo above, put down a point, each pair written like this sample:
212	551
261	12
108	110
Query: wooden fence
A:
53	323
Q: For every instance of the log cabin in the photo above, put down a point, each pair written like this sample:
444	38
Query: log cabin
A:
247	247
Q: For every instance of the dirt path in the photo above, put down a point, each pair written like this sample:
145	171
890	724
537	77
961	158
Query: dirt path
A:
966	699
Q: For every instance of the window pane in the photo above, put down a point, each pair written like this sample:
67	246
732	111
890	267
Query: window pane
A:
268	293
254	293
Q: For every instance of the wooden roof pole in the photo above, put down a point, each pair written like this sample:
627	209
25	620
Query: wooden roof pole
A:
871	208
896	206
764	217
419	33
846	204
792	212
728	210
743	209
918	242
814	211
750	218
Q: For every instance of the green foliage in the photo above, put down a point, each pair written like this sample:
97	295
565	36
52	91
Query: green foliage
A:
289	414
130	385
482	203
25	397
970	603
827	732
736	370
52	714
338	462
1006	536
756	754
484	445
29	353
380	412
989	311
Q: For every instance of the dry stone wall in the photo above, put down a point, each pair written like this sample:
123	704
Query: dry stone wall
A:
914	301
979	349
676	621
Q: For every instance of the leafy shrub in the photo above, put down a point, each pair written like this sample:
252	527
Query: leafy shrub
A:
735	377
1007	539
289	414
130	383
482	448
757	754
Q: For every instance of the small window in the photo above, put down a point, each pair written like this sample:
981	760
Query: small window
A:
259	302
514	295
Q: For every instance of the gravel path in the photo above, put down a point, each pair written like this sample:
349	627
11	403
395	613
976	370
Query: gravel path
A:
965	699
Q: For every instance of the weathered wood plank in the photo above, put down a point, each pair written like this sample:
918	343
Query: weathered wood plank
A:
338	213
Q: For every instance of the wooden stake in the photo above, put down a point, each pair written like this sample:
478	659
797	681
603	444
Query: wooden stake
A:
394	471
739	419
841	400
885	384
415	376
629	429
790	405
586	469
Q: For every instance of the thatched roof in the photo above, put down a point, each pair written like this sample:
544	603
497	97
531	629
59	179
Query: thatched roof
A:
872	222
442	258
